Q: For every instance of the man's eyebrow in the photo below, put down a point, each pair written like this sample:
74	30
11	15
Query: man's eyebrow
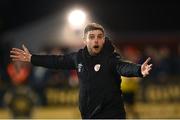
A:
100	34
91	34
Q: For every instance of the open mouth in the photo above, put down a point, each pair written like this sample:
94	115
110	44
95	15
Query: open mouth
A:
96	46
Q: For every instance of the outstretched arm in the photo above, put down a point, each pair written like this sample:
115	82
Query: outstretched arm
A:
130	69
49	61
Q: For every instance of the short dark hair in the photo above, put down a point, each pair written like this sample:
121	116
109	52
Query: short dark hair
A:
93	26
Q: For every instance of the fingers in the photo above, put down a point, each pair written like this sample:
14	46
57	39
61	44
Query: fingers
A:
25	49
15	53
146	69
18	58
14	56
147	60
20	55
17	50
150	65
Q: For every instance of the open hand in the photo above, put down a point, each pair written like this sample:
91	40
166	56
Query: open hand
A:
20	55
145	68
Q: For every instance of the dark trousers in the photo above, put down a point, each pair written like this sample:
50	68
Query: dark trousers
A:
110	113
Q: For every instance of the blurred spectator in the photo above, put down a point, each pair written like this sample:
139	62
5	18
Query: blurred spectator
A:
132	53
43	78
58	78
18	72
73	79
164	65
152	52
38	83
19	97
20	101
130	87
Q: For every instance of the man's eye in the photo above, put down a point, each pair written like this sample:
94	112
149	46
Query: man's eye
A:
99	37
91	37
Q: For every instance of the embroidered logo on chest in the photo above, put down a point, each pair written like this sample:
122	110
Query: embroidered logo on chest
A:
97	67
80	67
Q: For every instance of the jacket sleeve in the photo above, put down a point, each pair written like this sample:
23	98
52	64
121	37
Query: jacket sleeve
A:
55	61
125	68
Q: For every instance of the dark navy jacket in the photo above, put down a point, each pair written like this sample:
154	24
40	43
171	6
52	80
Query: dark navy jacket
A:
99	78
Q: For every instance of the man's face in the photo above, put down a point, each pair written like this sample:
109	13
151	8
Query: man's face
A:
94	41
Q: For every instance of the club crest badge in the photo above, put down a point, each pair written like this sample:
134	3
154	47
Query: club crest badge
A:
80	67
97	67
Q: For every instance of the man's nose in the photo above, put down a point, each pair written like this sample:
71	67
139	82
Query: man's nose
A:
96	40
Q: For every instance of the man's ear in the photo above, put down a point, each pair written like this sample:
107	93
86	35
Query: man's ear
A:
84	40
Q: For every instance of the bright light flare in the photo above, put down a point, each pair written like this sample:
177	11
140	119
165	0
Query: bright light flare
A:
77	18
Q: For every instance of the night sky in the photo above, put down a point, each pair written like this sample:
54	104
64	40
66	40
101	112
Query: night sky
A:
122	16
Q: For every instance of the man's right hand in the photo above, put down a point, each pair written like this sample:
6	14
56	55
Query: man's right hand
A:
20	55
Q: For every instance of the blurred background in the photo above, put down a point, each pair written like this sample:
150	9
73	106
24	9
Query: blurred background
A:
138	30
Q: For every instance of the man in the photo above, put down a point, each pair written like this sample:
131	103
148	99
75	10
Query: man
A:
98	68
